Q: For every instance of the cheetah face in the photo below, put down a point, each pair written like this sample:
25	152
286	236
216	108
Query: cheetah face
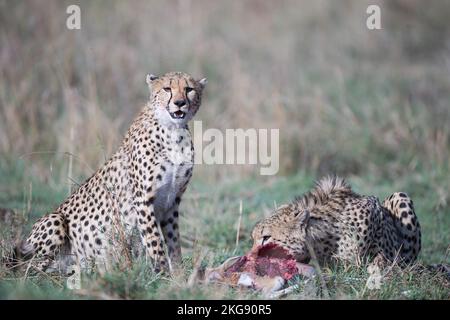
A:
286	228
176	97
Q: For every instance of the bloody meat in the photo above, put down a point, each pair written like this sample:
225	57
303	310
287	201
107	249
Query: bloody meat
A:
268	260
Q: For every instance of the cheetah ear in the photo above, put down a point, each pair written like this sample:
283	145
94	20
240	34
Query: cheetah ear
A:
303	218
203	83
150	78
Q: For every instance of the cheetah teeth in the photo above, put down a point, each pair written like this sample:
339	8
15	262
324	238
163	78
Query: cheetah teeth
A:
178	114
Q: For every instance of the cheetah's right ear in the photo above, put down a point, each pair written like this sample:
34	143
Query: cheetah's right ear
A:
203	83
150	78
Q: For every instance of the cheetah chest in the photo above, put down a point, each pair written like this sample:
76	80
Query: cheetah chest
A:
173	181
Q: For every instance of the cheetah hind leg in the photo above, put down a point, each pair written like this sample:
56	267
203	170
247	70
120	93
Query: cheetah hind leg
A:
401	207
46	247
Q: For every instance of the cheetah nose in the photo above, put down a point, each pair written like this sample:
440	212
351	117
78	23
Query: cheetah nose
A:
180	103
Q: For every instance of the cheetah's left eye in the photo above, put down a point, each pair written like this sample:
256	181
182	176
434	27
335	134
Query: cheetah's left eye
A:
189	89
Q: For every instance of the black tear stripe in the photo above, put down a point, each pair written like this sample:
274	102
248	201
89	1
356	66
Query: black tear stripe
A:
170	99
185	93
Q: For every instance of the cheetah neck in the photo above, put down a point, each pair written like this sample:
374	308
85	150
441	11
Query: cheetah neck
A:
326	192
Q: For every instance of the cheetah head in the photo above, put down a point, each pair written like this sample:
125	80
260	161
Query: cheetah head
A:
287	228
175	97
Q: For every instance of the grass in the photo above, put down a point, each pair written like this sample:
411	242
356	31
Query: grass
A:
209	225
368	105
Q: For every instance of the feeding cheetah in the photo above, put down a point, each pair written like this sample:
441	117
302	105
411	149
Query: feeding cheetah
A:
337	223
140	187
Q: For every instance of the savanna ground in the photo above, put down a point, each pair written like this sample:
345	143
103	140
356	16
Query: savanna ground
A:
373	106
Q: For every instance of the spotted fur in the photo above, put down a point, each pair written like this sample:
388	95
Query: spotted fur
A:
139	188
337	223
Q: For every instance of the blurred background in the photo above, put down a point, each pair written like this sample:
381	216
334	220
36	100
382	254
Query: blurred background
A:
371	105
346	99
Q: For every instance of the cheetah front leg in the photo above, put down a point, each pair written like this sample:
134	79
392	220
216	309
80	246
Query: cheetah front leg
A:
151	237
171	232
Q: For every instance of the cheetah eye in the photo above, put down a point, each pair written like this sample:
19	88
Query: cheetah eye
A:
167	89
188	89
265	239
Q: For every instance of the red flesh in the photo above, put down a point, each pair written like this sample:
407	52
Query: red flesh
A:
269	260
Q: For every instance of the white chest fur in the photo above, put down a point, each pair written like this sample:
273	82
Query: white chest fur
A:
175	171
173	179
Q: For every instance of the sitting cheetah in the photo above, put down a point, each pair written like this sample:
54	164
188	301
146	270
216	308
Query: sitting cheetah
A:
337	223
139	188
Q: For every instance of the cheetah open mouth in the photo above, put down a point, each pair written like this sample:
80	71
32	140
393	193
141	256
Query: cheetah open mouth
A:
178	114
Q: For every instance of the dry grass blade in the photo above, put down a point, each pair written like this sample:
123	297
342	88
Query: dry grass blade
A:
318	270
197	271
238	231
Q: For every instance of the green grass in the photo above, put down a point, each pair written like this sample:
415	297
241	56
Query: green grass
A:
209	223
